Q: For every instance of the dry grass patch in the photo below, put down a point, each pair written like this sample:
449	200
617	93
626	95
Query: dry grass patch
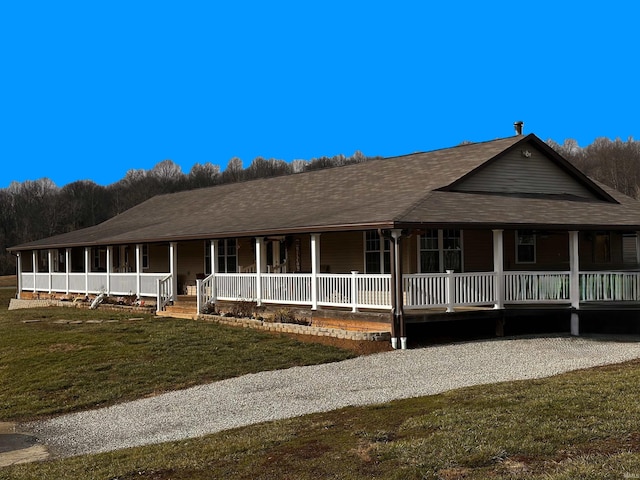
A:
8	281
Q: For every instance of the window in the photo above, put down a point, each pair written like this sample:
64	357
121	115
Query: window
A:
440	250
43	261
525	246
145	256
207	257
99	259
602	247
377	256
227	256
452	250
429	252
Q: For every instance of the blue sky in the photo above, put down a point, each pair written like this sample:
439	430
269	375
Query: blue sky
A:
90	90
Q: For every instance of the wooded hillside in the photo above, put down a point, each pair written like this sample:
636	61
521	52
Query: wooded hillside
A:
36	209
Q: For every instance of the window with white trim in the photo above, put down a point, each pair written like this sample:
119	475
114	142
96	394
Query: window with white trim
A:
525	246
602	247
440	250
377	253
227	255
145	256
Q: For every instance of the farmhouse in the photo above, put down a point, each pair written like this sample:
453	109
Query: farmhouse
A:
484	225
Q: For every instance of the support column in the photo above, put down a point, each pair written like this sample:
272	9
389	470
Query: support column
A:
315	268
67	268
574	281
173	269
87	267
498	267
214	270
138	269
397	293
19	272
50	268
109	268
34	263
260	265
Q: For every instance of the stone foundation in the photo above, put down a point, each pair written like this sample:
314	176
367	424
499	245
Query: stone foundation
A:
299	329
17	304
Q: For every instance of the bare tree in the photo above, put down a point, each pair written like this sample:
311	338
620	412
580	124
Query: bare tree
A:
203	175
234	171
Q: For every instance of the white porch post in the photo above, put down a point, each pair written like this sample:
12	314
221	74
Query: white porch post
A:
87	266
19	272
34	263
138	268
109	268
173	269
574	281
498	267
214	270
260	264
67	267
574	262
450	294
50	268
315	267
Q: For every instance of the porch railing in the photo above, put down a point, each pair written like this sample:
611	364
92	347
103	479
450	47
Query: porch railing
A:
355	290
93	283
609	286
165	292
537	287
449	290
290	288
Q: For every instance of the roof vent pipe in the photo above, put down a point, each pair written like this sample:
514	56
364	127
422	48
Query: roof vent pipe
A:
518	126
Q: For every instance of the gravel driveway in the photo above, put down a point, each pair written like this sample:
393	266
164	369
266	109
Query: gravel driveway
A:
301	390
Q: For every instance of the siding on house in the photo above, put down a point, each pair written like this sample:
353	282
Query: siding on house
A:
516	173
158	258
342	252
190	256
477	250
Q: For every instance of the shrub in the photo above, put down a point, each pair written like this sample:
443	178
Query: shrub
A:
286	315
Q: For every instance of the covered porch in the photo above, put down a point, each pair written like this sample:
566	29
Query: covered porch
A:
408	270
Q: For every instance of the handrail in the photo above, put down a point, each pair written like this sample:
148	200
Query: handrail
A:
165	293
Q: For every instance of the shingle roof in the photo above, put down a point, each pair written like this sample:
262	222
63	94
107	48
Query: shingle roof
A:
380	193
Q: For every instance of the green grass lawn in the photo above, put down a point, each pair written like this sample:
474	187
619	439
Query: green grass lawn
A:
579	425
48	367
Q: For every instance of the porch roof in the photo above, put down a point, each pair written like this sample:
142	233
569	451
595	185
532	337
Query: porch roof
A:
383	193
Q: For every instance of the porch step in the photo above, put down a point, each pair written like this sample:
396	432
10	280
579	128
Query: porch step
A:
186	306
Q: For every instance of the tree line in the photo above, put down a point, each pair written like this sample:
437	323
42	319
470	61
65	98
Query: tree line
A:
37	209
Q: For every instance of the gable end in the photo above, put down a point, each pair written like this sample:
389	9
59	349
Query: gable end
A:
530	167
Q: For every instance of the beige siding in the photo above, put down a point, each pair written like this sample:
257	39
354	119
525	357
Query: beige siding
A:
515	173
190	256
477	250
246	253
158	258
410	252
342	252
